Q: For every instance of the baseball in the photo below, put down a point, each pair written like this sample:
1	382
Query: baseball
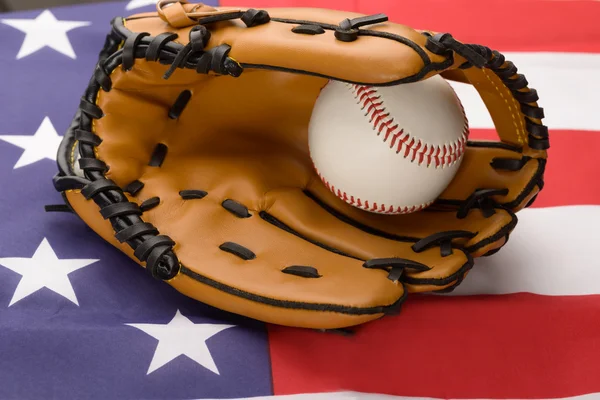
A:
388	150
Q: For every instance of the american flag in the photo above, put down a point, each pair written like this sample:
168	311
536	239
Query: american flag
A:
79	320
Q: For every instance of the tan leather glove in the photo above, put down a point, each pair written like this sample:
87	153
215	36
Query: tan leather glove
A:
189	153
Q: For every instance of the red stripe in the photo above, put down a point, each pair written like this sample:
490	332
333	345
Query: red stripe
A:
573	170
514	346
566	26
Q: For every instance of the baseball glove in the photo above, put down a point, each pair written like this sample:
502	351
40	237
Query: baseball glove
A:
189	153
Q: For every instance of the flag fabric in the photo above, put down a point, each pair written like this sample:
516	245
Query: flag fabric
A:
80	320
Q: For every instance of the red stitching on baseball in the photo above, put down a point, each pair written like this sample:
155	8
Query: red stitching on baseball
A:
406	145
357	202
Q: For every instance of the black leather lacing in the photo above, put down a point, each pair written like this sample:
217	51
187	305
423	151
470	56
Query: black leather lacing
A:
158	155
199	37
148	245
134	187
193	194
509	164
443	240
131	44
180	104
538	138
236	208
93	164
150	203
309	29
215	59
480	57
125	217
143	238
58	208
86	137
163	49
482	200
304	271
250	17
348	31
395	266
156	249
238	250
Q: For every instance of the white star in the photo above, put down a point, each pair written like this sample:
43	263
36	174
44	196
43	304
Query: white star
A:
139	3
43	144
181	337
45	30
44	269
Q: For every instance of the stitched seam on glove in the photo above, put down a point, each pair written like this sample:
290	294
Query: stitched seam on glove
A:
513	110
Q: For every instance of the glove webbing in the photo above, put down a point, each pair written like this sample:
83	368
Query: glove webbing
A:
482	56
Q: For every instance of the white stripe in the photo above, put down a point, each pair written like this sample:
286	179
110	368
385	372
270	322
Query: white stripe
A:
553	251
367	396
567	83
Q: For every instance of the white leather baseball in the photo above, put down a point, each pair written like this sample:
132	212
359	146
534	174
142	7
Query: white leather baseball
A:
389	150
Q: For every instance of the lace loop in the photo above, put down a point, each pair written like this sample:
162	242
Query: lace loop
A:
481	199
131	44
509	164
199	37
254	17
180	60
443	239
473	54
395	266
157	44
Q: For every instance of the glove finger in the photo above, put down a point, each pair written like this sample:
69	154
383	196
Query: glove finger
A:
241	263
299	219
515	176
295	212
490	228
